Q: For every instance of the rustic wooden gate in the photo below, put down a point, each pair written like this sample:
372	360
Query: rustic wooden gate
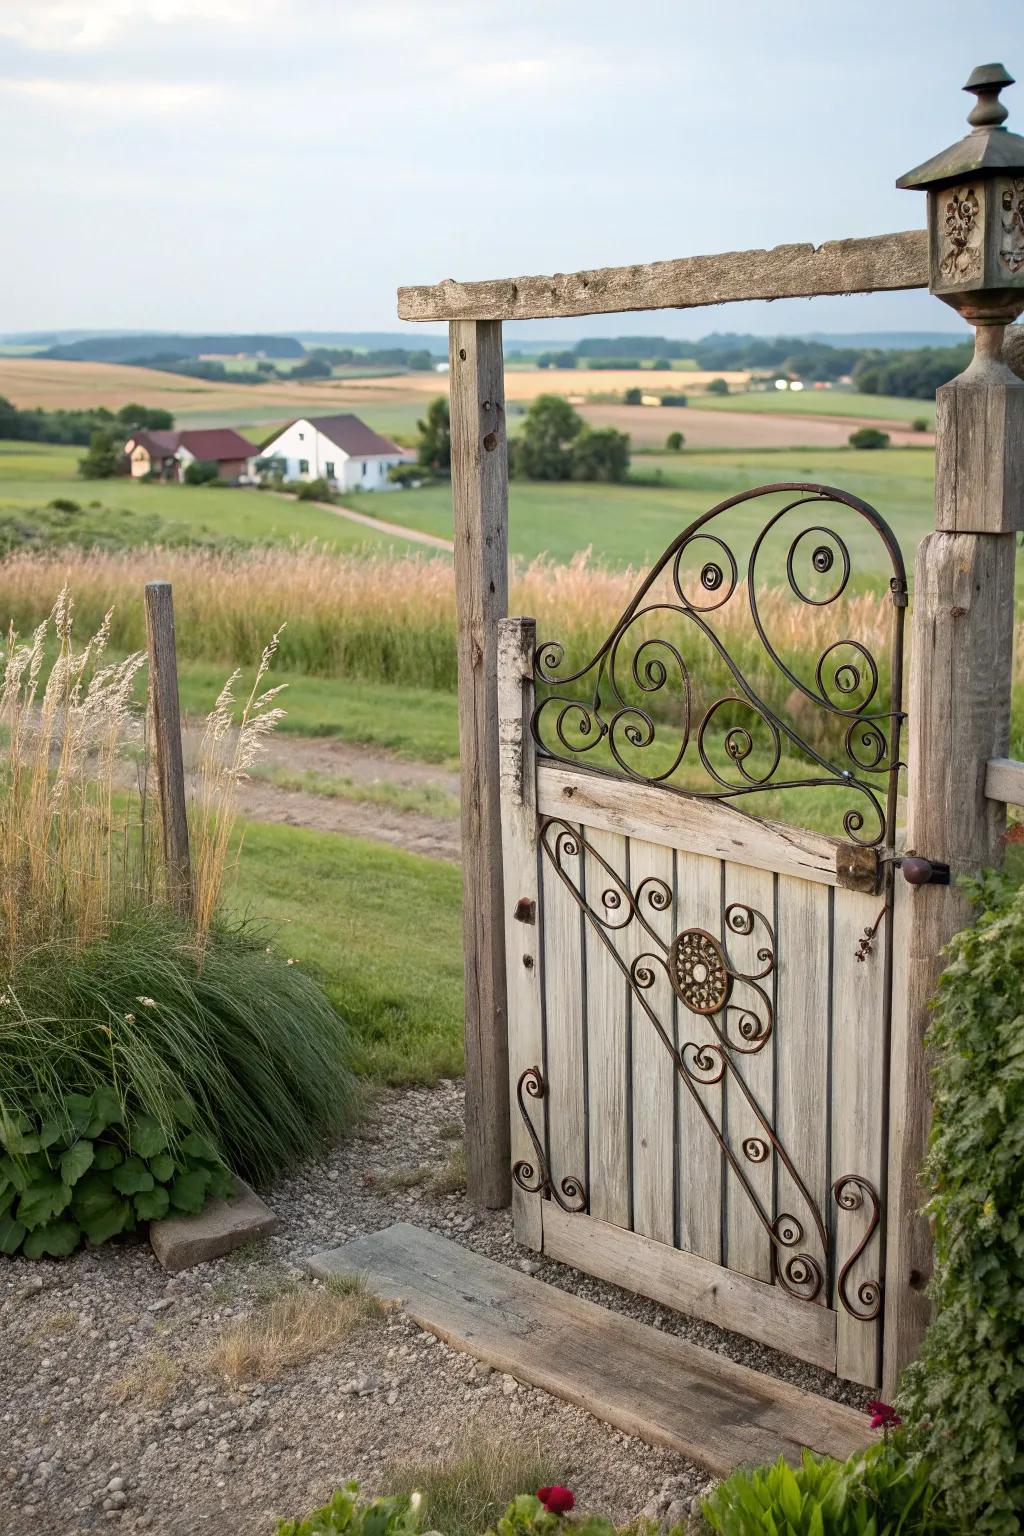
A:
810	1084
699	998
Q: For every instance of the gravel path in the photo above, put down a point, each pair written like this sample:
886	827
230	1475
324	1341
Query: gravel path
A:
110	1417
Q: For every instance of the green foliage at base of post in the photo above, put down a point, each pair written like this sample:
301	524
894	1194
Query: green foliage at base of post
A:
965	1393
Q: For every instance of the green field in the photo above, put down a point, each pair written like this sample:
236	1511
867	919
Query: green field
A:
379	927
821	402
631	524
32	475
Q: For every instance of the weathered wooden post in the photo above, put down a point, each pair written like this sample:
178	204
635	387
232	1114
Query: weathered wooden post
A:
962	636
163	692
480	496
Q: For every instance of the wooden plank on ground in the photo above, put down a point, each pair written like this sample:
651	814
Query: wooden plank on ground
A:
869	265
657	1386
715	828
690	1284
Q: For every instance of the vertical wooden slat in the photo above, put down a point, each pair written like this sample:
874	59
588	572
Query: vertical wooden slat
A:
517	755
654	1076
748	1247
859	1069
565	1034
480	501
608	1034
803	1000
699	905
164	702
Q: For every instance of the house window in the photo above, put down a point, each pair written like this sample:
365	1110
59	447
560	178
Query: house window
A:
365	468
329	469
302	437
303	466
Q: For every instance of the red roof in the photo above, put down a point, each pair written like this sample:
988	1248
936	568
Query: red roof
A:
353	436
211	444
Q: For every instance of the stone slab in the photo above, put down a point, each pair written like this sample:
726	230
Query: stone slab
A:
646	1382
181	1242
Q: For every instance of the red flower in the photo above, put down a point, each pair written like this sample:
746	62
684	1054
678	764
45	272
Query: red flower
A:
556	1499
883	1415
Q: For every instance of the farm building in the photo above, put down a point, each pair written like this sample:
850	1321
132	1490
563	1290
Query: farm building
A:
340	449
168	453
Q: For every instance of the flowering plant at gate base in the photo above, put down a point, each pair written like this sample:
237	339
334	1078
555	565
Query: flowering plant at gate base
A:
556	1499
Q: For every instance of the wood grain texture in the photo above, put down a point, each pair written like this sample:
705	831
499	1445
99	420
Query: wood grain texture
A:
711	827
566	1032
961	654
701	1162
653	1069
609	1007
979	453
480	499
802	1068
877	263
692	1285
660	1387
1004	779
747	1246
166	711
859	1065
517	760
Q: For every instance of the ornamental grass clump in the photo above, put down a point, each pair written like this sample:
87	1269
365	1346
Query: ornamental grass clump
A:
964	1395
144	1057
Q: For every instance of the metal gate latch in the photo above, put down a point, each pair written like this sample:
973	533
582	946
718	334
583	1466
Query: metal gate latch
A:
918	871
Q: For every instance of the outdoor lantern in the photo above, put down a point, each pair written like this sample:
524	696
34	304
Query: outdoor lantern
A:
976	210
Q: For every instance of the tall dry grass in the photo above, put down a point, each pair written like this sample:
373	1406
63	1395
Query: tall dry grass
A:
384	619
78	843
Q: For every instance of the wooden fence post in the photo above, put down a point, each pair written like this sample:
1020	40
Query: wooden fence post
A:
480	497
959	717
163	692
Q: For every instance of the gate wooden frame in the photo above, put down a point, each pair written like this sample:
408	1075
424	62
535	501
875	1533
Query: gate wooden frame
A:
959	778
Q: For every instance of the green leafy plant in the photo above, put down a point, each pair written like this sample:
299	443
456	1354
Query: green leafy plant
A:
345	1515
964	1395
86	1172
869	437
882	1491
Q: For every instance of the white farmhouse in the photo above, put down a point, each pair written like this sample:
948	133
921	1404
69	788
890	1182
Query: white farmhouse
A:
340	449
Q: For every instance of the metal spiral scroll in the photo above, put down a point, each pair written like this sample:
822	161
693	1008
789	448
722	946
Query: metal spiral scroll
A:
846	677
849	1193
536	1180
705	992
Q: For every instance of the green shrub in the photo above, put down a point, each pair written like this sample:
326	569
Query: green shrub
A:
674	442
201	472
409	474
965	1393
920	424
878	1492
236	1032
717	387
869	437
85	1172
310	490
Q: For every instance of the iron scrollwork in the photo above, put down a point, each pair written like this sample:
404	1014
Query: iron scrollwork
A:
741	742
850	1192
536	1180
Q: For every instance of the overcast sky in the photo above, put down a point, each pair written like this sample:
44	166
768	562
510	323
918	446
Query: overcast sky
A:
275	164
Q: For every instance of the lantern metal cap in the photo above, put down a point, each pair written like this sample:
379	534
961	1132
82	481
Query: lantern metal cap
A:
988	147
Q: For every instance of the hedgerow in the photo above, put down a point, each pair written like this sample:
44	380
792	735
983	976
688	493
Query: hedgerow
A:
964	1395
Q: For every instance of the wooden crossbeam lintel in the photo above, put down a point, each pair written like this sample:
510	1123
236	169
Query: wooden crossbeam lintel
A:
875	264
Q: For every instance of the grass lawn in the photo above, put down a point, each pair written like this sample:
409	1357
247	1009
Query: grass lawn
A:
32	475
820	402
382	931
414	722
631	524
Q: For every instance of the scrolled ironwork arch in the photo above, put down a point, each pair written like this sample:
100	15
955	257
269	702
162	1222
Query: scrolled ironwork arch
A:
847	679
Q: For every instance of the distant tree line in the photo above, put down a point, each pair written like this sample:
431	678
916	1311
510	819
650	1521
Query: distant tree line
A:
915	375
128	349
38	426
419	359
